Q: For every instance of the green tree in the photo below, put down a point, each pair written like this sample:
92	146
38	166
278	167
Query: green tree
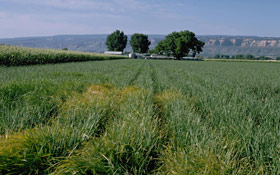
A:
179	44
239	56
250	57
161	48
226	56
217	56
140	43
116	41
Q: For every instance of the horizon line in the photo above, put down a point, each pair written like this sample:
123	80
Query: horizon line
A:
56	35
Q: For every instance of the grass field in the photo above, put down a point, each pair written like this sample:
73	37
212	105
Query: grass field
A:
140	117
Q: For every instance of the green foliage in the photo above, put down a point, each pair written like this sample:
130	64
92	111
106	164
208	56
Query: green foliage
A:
217	56
242	57
161	48
139	43
263	58
179	44
19	56
116	41
27	104
239	56
151	51
226	109
155	117
83	116
249	57
129	146
222	57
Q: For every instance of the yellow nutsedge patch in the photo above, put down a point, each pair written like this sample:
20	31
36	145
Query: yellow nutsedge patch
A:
168	96
11	143
102	95
99	90
130	90
95	94
181	162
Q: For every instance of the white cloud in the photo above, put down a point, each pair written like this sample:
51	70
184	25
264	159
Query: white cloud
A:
14	25
69	4
113	6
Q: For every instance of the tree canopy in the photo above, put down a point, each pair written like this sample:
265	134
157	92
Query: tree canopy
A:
179	44
139	43
116	41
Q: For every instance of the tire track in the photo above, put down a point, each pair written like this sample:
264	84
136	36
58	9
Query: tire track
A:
155	82
135	77
160	114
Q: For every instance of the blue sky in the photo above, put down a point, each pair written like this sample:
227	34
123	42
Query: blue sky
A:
21	18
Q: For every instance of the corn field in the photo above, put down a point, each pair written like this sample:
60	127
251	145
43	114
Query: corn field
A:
19	56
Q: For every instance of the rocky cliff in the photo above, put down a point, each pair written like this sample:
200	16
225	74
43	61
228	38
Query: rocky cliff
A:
232	45
241	42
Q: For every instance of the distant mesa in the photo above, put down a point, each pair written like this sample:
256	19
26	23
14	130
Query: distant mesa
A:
257	42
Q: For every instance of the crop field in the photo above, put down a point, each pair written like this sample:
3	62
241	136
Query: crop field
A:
140	117
21	56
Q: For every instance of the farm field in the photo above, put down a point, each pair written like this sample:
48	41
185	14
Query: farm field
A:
21	56
140	117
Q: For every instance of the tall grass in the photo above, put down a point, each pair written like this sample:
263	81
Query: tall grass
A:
237	123
188	150
130	145
28	104
180	117
82	117
31	96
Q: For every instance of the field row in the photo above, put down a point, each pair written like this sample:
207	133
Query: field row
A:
140	117
19	56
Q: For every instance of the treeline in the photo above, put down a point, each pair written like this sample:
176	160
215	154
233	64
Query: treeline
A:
19	56
247	57
176	44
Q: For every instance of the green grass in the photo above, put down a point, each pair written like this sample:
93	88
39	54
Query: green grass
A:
241	60
140	117
19	56
130	145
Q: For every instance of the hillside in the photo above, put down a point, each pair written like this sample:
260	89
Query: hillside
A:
227	45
